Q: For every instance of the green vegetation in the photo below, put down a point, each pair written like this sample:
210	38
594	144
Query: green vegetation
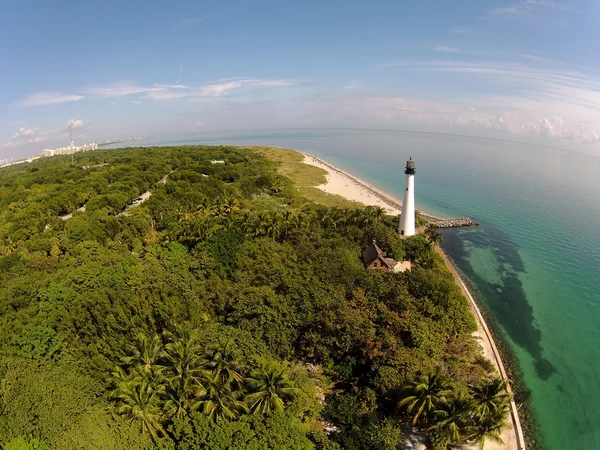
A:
433	235
227	311
305	177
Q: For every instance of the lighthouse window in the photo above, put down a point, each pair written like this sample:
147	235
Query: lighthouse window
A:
406	189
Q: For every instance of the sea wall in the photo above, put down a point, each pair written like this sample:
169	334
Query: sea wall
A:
454	223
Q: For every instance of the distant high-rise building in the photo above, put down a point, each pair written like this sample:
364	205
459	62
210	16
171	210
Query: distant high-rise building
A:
68	150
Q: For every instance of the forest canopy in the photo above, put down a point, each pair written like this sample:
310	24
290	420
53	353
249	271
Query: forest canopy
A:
228	310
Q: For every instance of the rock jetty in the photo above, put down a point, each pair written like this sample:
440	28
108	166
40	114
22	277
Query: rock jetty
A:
454	223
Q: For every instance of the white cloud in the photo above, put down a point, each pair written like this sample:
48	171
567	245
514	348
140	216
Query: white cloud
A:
136	102
220	89
156	91
445	49
24	133
25	136
75	123
352	85
164	95
48	98
118	90
515	11
546	101
528	9
463	30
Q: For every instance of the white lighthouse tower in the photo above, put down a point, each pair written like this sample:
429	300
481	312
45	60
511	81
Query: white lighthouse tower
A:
407	217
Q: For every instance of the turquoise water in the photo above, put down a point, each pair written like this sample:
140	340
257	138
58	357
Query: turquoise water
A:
535	259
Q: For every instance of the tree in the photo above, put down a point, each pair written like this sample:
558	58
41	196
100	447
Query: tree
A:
219	400
231	205
489	397
421	397
420	221
433	235
272	226
29	443
288	221
183	374
452	416
217	207
138	400
268	389
220	359
145	353
282	276
489	427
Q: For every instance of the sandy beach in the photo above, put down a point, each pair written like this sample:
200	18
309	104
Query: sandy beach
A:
353	188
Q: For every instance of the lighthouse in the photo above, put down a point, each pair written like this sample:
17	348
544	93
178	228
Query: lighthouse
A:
407	217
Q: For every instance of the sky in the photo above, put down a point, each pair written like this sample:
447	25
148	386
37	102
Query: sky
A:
523	70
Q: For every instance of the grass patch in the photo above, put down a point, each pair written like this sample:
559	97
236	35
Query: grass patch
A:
305	177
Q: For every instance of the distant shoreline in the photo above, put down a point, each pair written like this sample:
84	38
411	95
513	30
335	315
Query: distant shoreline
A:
513	436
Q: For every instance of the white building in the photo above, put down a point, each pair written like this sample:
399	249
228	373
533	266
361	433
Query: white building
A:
47	152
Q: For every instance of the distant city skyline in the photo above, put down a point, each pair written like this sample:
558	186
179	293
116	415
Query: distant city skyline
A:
523	70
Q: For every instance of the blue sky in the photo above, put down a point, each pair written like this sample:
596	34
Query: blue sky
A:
519	69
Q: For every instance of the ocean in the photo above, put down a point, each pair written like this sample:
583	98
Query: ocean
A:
534	261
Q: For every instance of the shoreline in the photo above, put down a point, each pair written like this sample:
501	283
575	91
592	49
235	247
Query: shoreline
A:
487	338
337	184
337	180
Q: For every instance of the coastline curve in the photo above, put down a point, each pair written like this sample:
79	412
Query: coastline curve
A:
395	204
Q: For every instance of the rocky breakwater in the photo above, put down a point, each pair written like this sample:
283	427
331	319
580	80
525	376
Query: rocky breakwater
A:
453	223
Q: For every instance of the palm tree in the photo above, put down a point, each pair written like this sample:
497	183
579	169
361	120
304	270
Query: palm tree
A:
231	205
377	213
452	416
261	224
306	216
245	223
137	399
205	206
217	207
145	354
272	227
277	188
419	220
208	227
490	427
490	396
421	397
220	400
288	221
220	360
269	387
184	375
433	235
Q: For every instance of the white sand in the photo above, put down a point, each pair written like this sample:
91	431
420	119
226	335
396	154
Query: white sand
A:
353	188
